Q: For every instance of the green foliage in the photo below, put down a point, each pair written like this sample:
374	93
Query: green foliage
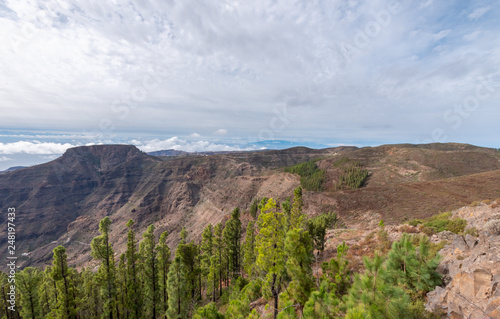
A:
471	231
106	275
249	249
381	223
336	273
206	252
352	175
177	291
415	269
415	222
435	248
322	303
441	222
149	272
91	302
28	281
298	249
456	225
66	305
317	228
295	219
271	251
253	208
372	296
384	241
133	293
209	311
232	237
311	177
163	252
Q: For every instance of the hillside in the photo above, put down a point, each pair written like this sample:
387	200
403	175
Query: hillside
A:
61	202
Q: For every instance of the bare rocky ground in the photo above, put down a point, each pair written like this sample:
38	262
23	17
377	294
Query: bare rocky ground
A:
471	267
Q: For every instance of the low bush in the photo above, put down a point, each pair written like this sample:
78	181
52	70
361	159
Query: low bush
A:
471	231
415	222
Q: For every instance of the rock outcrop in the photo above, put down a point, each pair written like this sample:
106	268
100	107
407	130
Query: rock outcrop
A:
471	268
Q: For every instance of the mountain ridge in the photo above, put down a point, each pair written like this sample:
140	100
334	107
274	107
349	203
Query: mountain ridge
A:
61	202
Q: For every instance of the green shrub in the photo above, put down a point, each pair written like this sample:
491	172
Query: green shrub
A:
415	222
437	225
471	231
442	222
456	225
435	248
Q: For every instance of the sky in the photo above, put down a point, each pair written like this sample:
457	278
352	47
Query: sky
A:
234	75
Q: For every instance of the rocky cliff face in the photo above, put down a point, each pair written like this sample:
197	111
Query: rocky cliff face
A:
471	267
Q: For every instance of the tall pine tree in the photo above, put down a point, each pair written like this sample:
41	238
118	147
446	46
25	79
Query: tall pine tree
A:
103	251
66	307
149	273
163	268
271	251
134	292
232	238
177	292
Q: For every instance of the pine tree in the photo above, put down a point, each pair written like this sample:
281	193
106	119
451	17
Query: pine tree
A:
286	207
209	311
249	248
134	293
48	293
336	272
270	247
28	281
253	208
413	268
103	251
232	237
163	267
218	252
184	235
121	283
66	307
149	273
323	303
189	254
177	292
298	249
297	218
206	251
91	304
213	278
373	296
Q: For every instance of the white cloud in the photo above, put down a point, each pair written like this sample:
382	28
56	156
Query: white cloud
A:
49	157
438	36
176	143
195	135
34	147
478	12
221	132
5	159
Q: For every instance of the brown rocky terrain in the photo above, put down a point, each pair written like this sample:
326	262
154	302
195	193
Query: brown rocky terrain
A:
61	202
471	267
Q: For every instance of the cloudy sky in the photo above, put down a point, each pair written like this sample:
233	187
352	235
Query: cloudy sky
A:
227	75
